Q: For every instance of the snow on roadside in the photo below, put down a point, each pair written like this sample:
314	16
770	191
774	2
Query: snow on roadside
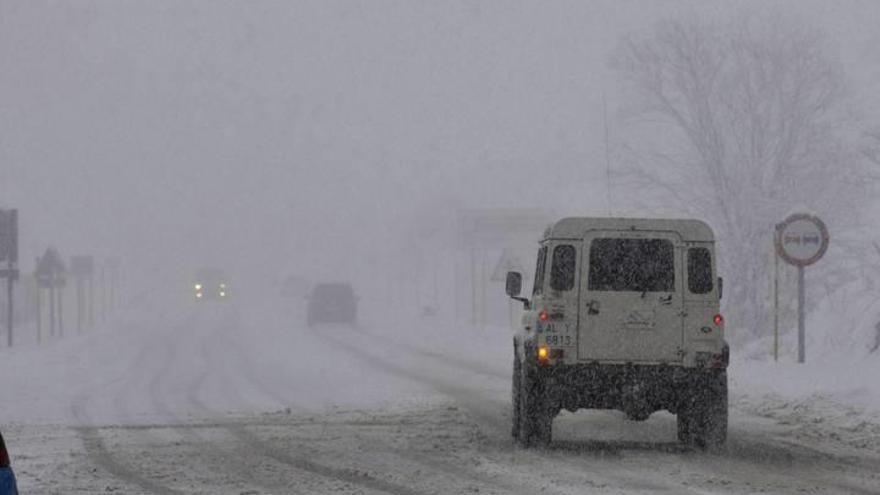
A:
831	402
39	382
834	397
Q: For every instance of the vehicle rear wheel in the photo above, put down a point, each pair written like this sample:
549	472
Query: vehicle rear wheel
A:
683	421
535	415
708	413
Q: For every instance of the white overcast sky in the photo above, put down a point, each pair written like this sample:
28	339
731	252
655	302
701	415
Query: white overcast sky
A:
174	131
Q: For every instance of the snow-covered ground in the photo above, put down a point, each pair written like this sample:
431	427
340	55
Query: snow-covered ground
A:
240	398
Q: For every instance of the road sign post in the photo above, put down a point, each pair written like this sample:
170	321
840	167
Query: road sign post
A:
82	268
39	314
801	240
9	254
50	274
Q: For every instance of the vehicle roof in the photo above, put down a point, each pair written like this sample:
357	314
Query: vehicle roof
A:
577	227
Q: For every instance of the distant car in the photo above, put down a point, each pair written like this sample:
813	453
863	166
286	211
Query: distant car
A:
210	284
7	477
332	303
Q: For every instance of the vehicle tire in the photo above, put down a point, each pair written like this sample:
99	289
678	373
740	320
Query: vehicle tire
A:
535	415
515	395
683	421
709	413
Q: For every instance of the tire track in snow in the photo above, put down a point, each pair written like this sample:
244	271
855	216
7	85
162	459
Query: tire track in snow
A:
474	401
96	448
486	412
154	379
475	367
264	449
435	463
746	450
97	451
244	465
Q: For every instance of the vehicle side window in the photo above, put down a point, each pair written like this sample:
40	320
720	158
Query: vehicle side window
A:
562	271
699	266
538	288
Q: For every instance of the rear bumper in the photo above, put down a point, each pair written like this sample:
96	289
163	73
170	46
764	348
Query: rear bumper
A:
7	482
645	388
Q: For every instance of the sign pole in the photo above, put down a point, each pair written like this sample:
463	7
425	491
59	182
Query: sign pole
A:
10	308
801	240
801	330
91	298
61	311
103	292
39	303
112	286
79	303
39	315
52	309
9	253
775	306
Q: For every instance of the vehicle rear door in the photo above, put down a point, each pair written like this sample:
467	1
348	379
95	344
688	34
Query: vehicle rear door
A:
631	303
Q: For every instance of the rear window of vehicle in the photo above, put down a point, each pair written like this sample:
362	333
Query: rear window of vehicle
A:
640	265
538	288
699	265
562	270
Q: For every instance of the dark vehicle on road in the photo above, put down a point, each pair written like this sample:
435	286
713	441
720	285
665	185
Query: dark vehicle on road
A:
7	477
332	303
210	284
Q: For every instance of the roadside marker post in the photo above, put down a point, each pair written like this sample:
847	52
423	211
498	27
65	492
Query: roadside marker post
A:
9	254
82	268
51	275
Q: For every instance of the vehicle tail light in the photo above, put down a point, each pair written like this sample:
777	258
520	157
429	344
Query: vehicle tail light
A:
543	353
718	319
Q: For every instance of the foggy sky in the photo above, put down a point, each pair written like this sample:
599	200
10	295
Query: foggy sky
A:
183	133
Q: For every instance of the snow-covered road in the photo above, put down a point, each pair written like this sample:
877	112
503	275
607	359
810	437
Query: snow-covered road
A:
242	399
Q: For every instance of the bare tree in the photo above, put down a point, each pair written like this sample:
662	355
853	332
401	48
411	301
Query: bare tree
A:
740	125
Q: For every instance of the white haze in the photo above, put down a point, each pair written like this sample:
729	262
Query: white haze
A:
341	141
330	140
272	137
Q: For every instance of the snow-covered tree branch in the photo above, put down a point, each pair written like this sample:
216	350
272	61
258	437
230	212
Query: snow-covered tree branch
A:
740	125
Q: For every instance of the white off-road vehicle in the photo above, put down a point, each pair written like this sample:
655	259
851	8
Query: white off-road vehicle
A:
624	315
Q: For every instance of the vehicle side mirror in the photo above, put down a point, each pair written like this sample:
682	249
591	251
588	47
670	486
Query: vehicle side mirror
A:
720	287
514	284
